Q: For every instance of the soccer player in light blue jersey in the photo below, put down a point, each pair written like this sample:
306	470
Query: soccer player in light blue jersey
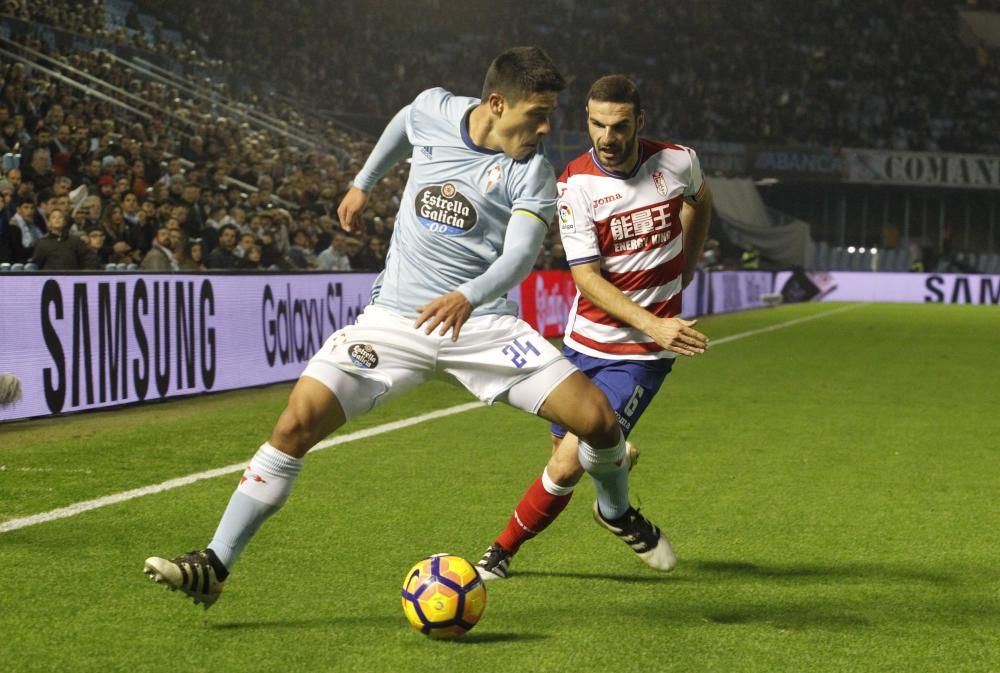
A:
475	209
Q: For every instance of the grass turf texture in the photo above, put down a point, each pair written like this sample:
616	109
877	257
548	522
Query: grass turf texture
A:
830	489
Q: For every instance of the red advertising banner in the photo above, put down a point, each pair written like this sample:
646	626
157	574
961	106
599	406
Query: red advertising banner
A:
546	298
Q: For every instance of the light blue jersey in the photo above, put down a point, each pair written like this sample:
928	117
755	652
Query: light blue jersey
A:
456	206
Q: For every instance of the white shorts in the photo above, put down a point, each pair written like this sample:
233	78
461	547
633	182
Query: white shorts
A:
497	357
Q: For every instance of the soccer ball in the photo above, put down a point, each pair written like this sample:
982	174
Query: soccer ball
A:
443	596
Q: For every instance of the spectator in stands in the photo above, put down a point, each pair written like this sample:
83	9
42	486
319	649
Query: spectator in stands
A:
194	256
92	172
87	214
217	218
139	182
46	203
94	237
22	225
299	253
270	256
130	208
11	248
194	219
8	134
63	141
335	257
252	258
106	189
178	239
61	185
224	255
39	171
160	256
372	256
8	205
13	176
58	251
42	141
143	232
116	233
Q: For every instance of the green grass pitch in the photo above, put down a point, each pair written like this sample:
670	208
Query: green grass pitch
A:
831	489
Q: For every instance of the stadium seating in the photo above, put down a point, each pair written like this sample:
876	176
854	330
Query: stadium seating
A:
266	119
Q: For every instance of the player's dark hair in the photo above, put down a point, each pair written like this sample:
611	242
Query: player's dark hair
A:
615	89
520	72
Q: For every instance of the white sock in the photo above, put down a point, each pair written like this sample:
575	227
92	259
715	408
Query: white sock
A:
552	487
609	470
265	485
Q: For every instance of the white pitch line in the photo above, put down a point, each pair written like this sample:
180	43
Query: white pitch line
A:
782	325
87	505
170	484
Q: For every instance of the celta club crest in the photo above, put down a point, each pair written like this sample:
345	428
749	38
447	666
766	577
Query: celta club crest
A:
493	177
661	184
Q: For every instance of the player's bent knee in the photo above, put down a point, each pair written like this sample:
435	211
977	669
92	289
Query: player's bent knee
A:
312	413
292	433
597	423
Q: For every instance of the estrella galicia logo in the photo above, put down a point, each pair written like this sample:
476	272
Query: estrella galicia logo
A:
363	356
443	210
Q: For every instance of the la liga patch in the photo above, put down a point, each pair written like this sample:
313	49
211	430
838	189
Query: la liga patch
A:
566	218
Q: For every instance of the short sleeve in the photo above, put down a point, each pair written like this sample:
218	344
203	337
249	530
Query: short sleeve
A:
534	190
577	228
696	181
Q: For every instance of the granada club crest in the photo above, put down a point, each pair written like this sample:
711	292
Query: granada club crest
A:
661	184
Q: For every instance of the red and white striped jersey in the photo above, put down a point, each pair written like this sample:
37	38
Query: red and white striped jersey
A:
631	223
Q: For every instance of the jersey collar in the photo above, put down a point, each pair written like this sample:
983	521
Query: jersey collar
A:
467	139
620	176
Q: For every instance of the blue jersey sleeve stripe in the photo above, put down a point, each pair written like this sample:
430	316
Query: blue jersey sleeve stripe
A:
583	260
533	214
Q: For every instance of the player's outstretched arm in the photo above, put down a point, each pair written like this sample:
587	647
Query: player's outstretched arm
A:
392	145
674	334
696	216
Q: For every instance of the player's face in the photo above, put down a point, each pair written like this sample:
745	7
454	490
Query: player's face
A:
614	132
521	126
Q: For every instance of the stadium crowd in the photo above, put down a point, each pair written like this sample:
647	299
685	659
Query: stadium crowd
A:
193	190
893	73
196	188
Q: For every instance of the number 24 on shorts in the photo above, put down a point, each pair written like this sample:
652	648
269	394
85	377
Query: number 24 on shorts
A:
518	351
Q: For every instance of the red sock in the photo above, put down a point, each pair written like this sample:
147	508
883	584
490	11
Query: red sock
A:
537	509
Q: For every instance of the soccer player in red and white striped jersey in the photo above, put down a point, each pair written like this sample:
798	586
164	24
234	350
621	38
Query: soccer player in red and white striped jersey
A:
634	215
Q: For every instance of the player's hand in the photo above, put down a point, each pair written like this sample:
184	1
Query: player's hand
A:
678	335
350	209
447	312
